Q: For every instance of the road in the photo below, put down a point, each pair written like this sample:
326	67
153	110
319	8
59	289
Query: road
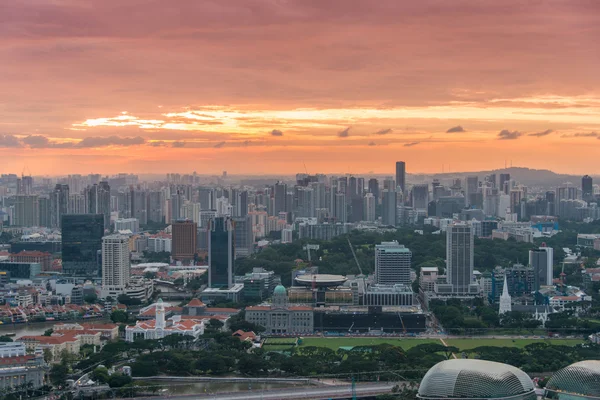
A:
331	392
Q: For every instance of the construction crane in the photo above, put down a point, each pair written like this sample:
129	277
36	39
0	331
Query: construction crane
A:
355	258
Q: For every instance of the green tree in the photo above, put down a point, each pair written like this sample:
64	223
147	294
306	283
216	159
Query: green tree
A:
5	339
128	301
118	380
214	325
100	374
119	316
58	374
48	332
90	298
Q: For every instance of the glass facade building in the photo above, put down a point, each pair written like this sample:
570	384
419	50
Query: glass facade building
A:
21	270
81	244
221	252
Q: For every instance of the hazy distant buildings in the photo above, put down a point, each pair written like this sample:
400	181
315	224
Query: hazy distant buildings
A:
27	210
244	238
587	188
401	175
370	207
388	207
420	196
98	201
59	204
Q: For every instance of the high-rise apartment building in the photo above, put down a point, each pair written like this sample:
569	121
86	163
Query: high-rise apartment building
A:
401	175
374	189
459	257
98	201
27	210
369	201
156	206
81	244
504	184
392	263
221	252
184	236
340	207
542	261
420	196
59	204
280	194
471	189
116	268
244	238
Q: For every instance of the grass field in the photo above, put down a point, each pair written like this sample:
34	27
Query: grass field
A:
466	344
337	342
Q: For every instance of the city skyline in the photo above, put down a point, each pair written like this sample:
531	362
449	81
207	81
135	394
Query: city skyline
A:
283	85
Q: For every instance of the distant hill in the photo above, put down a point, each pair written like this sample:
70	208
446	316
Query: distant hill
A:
526	176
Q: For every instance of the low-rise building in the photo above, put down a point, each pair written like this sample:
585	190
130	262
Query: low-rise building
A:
56	343
19	368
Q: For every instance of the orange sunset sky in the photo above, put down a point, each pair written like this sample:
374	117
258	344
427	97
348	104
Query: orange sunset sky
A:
265	86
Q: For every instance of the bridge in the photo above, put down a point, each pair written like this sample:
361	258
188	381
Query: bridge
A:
309	393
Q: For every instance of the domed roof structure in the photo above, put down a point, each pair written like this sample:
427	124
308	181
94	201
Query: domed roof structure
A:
476	379
579	381
280	289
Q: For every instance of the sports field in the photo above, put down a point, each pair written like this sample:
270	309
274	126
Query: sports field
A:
463	344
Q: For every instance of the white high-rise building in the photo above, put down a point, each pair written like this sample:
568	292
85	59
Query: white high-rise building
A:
116	266
127	224
505	300
369	207
392	263
459	257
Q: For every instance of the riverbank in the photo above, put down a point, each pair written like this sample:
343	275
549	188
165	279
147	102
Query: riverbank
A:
38	328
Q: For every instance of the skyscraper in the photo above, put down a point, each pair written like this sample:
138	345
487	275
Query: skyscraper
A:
392	263
244	238
184	234
280	194
27	209
459	257
587	188
59	204
504	184
116	266
542	261
81	244
340	207
155	207
369	202
98	201
221	252
420	196
374	189
388	207
401	175
471	189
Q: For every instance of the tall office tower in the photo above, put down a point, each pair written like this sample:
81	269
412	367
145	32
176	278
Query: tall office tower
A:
331	197
183	246
221	252
369	201
81	244
319	191
420	196
357	206
27	209
459	257
155	206
389	183
242	204
244	238
392	263
374	189
340	208
360	186
304	201
139	205
98	201
401	176
504	184
388	207
44	211
59	204
206	216
116	267
352	189
551	201
207	197
280	194
471	189
542	261
587	188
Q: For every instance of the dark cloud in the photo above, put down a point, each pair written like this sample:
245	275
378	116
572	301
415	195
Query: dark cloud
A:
344	133
505	134
219	145
372	144
540	134
157	144
178	144
411	144
588	134
384	131
456	129
9	141
110	141
276	132
36	141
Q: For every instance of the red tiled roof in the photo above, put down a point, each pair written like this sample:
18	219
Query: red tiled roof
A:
99	326
195	303
566	298
50	339
258	308
300	308
227	310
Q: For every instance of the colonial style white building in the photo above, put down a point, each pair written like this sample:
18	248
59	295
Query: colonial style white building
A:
281	318
159	327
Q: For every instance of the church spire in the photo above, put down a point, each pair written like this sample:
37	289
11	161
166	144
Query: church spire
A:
505	300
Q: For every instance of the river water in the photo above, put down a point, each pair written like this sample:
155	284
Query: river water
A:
37	328
220	387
